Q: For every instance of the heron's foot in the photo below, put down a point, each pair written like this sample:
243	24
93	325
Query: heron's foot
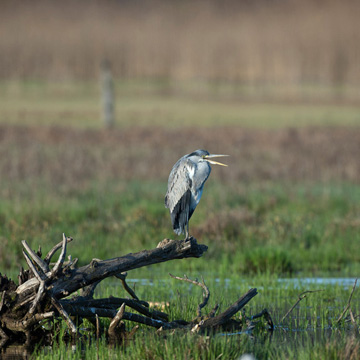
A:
188	238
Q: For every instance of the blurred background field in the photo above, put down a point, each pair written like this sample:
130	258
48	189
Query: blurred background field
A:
246	43
274	84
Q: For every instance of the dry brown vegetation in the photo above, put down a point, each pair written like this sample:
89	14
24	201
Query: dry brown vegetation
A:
72	158
248	42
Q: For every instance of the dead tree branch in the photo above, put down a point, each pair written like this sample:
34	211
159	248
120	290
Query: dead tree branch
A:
58	246
347	307
266	315
225	316
300	297
116	320
206	293
99	270
48	291
122	278
41	289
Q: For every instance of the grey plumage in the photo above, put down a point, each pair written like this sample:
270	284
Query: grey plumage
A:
185	187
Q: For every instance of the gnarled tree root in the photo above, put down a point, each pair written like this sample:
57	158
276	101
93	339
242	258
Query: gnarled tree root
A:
48	291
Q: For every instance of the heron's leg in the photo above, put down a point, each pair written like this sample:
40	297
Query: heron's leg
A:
187	231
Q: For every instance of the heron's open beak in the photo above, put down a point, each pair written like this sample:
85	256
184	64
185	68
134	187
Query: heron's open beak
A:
206	157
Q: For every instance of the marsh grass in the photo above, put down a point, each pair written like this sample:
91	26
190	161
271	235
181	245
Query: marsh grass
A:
285	238
288	202
310	328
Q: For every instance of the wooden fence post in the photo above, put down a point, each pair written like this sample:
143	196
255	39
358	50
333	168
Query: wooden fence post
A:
107	94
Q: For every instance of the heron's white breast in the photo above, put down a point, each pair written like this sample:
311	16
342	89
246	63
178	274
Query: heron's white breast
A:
191	171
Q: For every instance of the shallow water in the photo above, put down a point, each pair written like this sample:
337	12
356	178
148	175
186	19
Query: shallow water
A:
345	282
292	282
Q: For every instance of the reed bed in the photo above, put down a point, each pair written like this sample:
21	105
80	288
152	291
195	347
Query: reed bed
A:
247	43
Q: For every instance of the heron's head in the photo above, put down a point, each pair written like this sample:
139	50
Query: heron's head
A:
203	155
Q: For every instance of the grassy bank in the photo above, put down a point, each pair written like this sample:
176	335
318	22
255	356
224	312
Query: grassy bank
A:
274	229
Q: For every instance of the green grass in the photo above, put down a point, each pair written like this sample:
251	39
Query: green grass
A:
279	229
177	105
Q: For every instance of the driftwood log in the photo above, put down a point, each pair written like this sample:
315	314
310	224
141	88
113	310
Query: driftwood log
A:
48	291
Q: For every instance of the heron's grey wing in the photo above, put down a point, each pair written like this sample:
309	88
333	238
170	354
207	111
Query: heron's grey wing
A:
180	181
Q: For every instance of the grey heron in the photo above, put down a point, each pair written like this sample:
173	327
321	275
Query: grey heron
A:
185	187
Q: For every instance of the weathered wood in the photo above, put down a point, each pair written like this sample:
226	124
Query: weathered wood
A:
300	297
98	270
40	262
222	318
89	312
114	303
347	307
206	293
107	91
101	269
266	315
61	259
116	320
58	246
41	291
122	278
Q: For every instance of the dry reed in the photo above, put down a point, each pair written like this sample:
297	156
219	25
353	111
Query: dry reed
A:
249	42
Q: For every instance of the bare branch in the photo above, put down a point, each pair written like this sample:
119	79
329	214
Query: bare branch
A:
300	297
228	313
114	303
267	317
132	332
40	262
38	297
122	277
40	276
212	313
88	312
23	325
352	316
70	264
24	302
2	301
97	326
50	254
22	277
348	303
115	321
65	315
88	291
206	293
61	259
87	274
